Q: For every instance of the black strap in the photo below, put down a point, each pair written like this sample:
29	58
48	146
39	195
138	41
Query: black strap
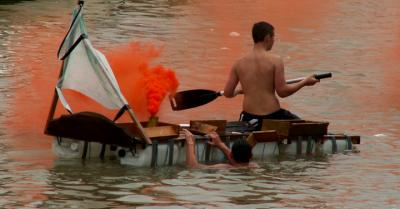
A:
81	37
309	145
103	151
171	151
334	145
154	153
349	143
121	112
70	27
208	152
85	149
299	145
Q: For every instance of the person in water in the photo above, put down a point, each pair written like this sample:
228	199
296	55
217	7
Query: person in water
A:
261	74
239	156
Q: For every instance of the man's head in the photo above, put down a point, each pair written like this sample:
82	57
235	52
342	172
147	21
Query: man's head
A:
263	31
241	151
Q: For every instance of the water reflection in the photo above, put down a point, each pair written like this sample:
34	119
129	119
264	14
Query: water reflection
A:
283	184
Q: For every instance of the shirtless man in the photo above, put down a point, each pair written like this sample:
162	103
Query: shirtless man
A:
239	156
261	74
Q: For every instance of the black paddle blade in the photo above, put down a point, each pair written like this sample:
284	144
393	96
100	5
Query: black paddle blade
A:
192	98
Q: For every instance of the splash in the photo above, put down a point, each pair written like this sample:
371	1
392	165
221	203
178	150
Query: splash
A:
144	87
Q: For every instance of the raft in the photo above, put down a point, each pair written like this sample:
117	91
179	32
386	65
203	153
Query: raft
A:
85	135
278	138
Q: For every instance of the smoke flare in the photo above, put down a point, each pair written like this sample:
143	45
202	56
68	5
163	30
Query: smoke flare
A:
144	87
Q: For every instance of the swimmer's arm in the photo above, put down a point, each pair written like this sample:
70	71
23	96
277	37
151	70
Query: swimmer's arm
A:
216	141
227	153
191	160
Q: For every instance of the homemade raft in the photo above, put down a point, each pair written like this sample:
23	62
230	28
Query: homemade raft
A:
89	134
278	137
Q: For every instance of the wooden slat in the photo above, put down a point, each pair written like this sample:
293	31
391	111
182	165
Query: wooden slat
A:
159	132
308	129
354	139
197	127
220	124
263	136
294	128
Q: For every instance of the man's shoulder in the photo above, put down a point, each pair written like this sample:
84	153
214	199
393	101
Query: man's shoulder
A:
273	56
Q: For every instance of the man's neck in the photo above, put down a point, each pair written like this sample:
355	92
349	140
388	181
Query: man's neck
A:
260	46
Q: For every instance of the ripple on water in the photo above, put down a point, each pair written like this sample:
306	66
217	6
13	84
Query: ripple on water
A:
184	181
133	186
164	207
140	199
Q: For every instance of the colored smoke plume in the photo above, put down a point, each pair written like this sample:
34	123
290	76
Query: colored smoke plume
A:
144	86
159	81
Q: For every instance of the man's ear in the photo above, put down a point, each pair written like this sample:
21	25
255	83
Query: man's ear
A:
268	37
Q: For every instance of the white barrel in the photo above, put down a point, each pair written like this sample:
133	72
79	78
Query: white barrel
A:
143	156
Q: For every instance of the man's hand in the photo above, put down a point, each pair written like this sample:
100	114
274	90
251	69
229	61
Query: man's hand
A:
310	80
215	139
189	136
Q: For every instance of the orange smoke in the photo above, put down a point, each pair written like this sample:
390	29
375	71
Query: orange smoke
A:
143	86
159	81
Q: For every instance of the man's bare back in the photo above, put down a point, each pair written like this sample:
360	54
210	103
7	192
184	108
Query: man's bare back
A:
261	74
256	75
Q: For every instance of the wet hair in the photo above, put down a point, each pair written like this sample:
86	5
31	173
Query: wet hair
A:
241	151
260	30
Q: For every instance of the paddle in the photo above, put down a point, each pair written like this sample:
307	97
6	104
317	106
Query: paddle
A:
193	98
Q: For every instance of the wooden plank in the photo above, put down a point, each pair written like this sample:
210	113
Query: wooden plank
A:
308	129
292	128
220	124
263	136
354	139
200	128
161	131
281	126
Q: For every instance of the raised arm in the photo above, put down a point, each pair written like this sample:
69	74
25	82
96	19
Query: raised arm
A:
216	141
191	160
282	88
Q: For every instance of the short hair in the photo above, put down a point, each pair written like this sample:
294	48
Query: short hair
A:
260	30
241	151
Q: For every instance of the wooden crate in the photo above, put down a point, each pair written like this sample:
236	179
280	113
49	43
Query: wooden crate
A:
292	128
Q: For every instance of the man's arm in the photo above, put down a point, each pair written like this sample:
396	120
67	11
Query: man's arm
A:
216	141
230	86
282	88
191	160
